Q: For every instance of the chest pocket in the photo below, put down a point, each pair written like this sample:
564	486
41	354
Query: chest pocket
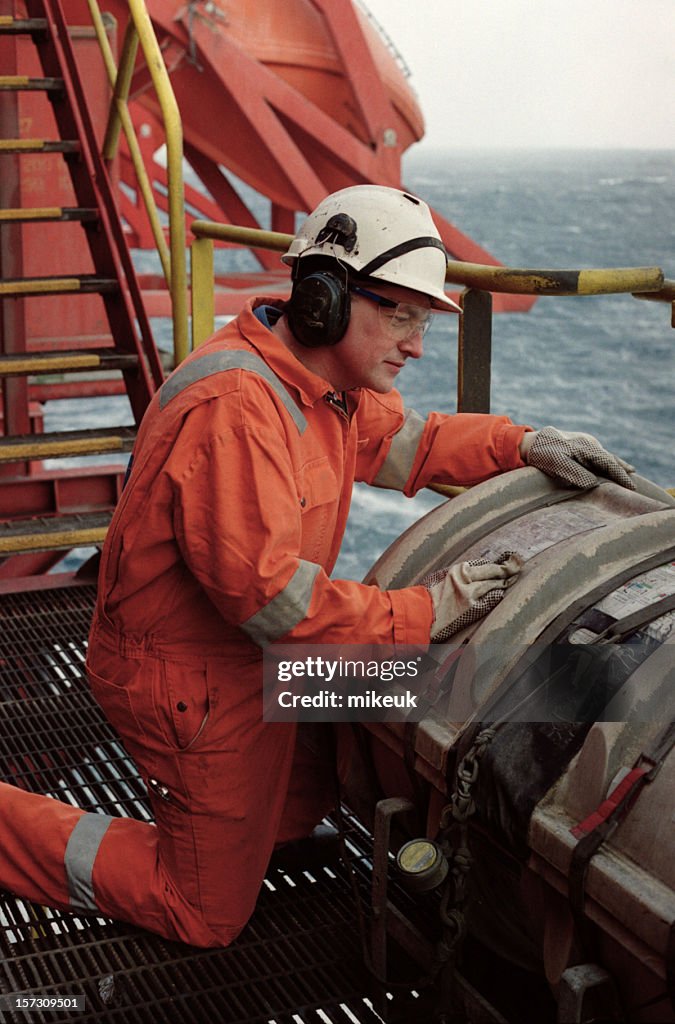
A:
318	498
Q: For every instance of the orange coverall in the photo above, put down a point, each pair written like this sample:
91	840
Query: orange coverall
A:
223	541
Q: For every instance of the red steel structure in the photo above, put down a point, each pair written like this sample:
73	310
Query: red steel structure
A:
292	99
70	303
296	98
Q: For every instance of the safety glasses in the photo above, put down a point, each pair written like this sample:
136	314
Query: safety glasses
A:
400	320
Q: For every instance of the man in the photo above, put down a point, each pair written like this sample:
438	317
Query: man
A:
223	542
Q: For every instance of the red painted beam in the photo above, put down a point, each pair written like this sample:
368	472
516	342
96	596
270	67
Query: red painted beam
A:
86	489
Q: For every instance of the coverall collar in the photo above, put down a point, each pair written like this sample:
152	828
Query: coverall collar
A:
310	387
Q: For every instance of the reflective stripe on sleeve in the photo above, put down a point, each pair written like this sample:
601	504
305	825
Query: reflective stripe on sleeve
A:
81	851
217	362
286	610
397	466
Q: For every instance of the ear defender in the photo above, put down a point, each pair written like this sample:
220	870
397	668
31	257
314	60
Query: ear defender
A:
318	309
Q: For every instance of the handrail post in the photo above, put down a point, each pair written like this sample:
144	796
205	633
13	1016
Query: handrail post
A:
474	351
203	300
122	113
121	88
174	166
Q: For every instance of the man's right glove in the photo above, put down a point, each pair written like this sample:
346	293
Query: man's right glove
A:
465	592
574	459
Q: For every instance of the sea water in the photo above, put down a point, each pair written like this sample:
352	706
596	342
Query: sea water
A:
605	365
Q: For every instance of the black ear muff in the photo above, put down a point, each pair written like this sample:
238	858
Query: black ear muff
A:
318	309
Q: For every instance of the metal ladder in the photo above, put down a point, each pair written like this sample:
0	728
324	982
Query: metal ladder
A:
44	513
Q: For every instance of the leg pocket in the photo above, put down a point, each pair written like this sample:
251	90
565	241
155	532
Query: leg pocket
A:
115	703
185	700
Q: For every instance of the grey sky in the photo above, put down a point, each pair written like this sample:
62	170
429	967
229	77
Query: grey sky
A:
567	73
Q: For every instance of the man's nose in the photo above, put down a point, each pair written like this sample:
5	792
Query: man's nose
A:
413	346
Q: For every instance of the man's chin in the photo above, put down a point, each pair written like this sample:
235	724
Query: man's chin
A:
382	389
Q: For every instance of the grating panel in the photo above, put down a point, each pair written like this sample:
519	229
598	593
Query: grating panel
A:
298	960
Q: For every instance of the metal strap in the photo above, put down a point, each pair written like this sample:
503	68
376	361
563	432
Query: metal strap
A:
555	628
636	620
81	851
218	362
286	609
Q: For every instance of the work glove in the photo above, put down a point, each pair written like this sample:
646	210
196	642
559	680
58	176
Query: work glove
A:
465	592
574	459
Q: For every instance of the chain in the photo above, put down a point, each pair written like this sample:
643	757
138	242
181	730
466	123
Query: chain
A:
462	804
455	817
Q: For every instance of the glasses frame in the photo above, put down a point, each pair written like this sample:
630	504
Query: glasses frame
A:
385	303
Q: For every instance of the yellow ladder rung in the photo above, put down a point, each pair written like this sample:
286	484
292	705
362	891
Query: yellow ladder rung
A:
39	146
22	82
35	213
22	25
22	144
40	286
80	214
47	541
49	363
45	449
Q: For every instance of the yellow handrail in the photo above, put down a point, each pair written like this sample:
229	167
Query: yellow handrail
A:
203	298
642	282
254	237
608	281
119	115
475	275
140	30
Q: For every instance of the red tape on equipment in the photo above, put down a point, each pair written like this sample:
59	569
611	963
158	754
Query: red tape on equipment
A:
606	808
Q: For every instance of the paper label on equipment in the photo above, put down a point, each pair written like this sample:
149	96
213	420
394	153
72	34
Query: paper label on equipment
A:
640	592
536	531
582	636
541	529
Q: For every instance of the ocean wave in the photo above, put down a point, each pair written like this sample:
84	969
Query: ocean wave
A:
651	179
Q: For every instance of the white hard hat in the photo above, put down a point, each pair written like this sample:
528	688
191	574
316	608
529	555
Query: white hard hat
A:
380	233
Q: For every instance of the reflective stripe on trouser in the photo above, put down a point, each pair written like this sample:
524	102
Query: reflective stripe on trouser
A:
60	856
81	851
45	845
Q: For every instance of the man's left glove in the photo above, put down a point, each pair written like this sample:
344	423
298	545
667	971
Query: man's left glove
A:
465	592
574	459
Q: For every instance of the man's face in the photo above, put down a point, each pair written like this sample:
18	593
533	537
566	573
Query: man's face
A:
378	341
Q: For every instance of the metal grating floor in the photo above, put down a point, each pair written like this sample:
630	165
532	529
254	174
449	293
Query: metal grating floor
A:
297	962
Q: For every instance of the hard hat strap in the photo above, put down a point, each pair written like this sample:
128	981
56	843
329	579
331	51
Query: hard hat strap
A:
400	250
